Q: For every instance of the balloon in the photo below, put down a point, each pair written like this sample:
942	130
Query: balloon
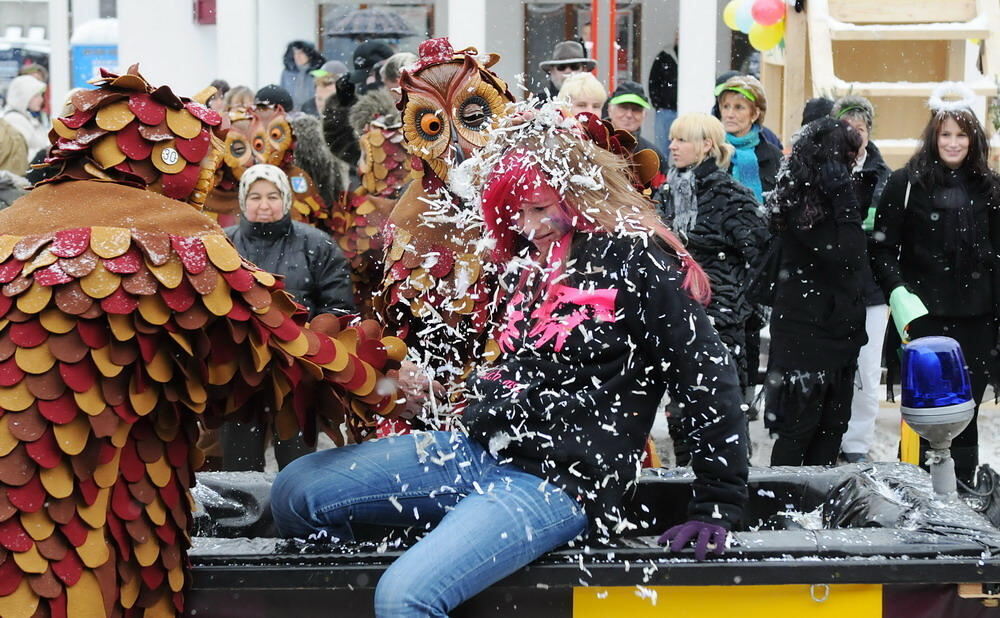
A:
744	19
767	12
763	38
729	15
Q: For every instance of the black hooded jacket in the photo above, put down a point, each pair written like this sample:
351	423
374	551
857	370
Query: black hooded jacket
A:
574	397
818	317
314	270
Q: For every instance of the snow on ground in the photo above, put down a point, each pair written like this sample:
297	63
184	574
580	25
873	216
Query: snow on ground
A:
886	445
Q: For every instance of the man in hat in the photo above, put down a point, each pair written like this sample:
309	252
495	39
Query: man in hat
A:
325	85
627	111
568	57
368	57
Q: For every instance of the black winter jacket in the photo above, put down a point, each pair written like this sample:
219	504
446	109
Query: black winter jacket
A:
818	317
574	396
663	80
314	269
725	240
769	161
919	246
869	182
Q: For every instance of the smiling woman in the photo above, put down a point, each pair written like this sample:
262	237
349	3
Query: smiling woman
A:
937	235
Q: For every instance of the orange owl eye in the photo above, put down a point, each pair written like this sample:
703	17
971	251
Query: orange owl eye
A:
430	124
277	134
258	144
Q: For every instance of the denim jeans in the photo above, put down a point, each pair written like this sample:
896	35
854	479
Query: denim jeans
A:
489	519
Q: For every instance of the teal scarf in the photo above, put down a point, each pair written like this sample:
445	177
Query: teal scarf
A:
746	169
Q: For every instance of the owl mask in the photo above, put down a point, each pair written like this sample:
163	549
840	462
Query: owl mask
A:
449	100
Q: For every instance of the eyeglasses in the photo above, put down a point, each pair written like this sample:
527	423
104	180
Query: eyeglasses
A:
572	66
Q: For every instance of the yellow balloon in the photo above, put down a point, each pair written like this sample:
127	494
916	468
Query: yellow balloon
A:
729	15
763	38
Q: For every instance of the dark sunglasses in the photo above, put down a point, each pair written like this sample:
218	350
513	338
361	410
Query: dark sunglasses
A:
573	66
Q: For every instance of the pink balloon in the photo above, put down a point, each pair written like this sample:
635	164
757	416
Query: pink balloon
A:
768	12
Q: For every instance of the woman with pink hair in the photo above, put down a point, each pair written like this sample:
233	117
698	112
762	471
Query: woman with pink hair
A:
604	313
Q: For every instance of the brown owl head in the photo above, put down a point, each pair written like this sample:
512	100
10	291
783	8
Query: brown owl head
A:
449	100
126	131
258	135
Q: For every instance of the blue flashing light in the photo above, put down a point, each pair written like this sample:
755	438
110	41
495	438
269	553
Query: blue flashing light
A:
934	374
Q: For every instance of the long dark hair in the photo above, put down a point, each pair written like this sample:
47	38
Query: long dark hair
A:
925	167
798	198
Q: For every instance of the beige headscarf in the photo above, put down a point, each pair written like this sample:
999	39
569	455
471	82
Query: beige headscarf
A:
263	171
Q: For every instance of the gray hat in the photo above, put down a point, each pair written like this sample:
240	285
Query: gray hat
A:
330	67
568	52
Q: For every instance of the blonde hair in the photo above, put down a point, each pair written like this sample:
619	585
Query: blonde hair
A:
238	96
585	85
750	84
695	127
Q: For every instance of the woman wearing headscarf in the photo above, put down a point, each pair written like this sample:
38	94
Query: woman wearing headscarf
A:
937	236
314	273
869	174
742	104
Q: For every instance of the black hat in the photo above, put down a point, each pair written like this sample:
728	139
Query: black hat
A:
630	92
273	94
366	56
816	108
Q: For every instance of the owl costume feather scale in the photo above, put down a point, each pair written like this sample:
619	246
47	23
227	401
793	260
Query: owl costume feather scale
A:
126	316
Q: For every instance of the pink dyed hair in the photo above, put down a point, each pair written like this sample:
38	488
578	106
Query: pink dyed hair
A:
518	175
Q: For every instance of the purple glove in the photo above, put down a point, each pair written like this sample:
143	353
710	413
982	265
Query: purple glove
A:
707	534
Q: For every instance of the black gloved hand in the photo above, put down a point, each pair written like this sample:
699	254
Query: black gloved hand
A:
346	94
834	176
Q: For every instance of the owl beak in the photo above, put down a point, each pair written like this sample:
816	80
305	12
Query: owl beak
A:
457	156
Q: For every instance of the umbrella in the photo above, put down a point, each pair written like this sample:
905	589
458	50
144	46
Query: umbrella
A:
372	24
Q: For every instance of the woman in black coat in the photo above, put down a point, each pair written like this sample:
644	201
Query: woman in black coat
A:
818	317
719	221
937	235
869	173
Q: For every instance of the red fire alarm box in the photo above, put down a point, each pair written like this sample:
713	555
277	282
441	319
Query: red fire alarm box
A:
204	12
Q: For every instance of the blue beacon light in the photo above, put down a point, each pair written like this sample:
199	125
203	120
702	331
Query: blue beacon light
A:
934	376
937	402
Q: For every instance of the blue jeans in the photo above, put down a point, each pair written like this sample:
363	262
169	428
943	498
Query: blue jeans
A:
489	519
664	118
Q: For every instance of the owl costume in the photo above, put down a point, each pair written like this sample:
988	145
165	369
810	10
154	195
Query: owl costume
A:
125	316
437	289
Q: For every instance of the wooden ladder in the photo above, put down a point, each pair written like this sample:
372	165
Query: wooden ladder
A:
895	52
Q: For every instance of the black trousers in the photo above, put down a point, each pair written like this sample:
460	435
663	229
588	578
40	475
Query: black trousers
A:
244	443
809	412
977	337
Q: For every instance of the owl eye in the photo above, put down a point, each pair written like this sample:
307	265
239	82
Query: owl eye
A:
430	125
258	144
277	134
238	149
474	113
